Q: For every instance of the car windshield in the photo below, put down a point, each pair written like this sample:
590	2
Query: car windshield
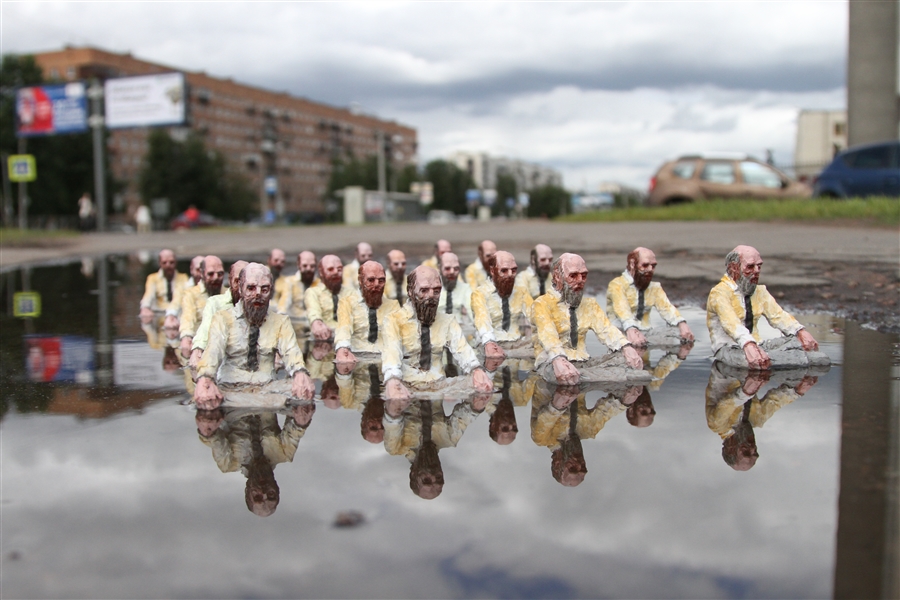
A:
757	174
878	157
718	172
684	169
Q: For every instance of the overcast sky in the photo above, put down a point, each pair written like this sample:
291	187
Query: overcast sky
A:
602	91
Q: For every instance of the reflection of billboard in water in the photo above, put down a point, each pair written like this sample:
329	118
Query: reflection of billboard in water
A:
59	358
145	100
51	109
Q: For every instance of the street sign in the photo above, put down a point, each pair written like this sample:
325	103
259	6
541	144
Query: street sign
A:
490	196
21	167
473	196
271	185
26	304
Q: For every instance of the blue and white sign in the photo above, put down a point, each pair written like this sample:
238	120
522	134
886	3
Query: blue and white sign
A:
51	109
271	185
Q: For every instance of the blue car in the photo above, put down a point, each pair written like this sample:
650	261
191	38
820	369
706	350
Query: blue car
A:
870	170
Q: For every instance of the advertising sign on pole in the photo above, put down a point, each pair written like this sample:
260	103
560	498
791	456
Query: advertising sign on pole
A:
21	167
490	196
473	197
51	109
145	101
59	358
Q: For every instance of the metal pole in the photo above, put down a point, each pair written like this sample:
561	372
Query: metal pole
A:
95	93
104	342
382	175
7	191
23	190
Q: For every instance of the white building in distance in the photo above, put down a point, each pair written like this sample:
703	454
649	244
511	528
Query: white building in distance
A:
484	170
820	135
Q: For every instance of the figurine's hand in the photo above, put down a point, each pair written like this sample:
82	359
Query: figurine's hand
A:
320	330
302	386
685	332
170	322
757	359
806	384
186	346
635	337
631	394
566	373
493	350
632	358
344	355
395	390
321	349
492	363
806	339
482	381
196	355
754	382
564	395
480	401
303	413
684	349
146	315
207	394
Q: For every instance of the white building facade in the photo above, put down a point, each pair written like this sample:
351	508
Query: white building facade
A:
484	170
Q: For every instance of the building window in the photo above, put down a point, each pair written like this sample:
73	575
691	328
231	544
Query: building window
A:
840	129
70	73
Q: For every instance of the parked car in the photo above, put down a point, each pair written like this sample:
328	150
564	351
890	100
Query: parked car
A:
869	170
702	176
193	221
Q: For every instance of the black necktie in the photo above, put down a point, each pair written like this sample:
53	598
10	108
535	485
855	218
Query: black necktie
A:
425	352
542	285
448	308
169	290
573	327
373	325
640	309
748	316
334	300
374	381
507	383
253	350
400	293
505	303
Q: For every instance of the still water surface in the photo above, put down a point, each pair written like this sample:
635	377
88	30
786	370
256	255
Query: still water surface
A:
108	490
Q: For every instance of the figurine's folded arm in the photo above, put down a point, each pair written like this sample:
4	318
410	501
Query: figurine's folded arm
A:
777	317
666	309
289	349
545	331
188	324
344	331
392	353
149	297
600	325
313	306
719	303
215	347
481	315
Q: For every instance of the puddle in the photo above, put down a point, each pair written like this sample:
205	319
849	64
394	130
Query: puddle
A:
109	490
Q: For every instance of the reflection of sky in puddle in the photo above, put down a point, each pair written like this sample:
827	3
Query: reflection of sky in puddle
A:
134	506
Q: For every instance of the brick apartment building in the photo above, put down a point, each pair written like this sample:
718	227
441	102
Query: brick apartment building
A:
260	132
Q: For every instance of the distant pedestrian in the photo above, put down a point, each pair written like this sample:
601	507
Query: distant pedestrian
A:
142	219
85	212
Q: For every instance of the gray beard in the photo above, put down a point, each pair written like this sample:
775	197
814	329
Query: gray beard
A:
426	311
746	285
449	284
571	297
255	315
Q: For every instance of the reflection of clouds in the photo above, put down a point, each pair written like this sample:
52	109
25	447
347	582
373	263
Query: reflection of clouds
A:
134	503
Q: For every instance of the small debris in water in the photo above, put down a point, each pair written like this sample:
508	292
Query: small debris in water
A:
14	555
349	518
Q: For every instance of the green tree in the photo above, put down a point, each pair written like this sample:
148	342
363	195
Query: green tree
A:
450	184
405	178
549	201
506	188
188	174
65	163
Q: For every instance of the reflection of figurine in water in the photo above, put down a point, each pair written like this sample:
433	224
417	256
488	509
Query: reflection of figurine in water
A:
243	341
419	429
560	419
631	296
414	340
503	427
562	317
733	311
733	409
351	269
361	316
535	279
194	300
361	391
395	286
163	290
497	306
320	360
253	443
322	300
160	332
671	360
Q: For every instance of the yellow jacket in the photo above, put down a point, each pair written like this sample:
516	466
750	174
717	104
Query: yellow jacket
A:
279	289
550	316
403	435
391	289
351	274
622	302
529	280
475	274
353	323
320	303
292	301
432	261
192	304
232	447
356	389
213	305
226	354
487	312
725	399
551	426
401	340
725	315
462	301
156	292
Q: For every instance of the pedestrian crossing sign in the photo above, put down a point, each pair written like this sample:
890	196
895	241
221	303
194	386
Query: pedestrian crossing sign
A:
27	304
21	167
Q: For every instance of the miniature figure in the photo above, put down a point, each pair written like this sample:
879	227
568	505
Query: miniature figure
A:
440	247
534	278
322	300
351	270
395	286
477	272
360	316
496	307
163	290
194	301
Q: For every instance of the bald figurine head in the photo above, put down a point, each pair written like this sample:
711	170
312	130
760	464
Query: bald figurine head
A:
449	264
363	252
234	280
306	266
486	251
196	271
167	263
424	288
569	277
256	291
440	247
331	272
397	265
371	283
276	262
213	274
503	273
743	265
641	265
541	260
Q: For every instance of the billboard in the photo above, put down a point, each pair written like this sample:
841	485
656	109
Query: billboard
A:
59	358
145	101
51	109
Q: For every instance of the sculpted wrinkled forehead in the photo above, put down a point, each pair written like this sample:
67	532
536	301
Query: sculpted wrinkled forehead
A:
443	246
488	247
257	274
330	260
166	255
748	254
543	250
371	267
394	255
643	254
449	259
571	262
212	263
306	257
363	248
504	259
236	269
276	254
426	277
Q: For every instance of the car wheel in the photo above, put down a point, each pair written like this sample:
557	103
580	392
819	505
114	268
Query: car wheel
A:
677	200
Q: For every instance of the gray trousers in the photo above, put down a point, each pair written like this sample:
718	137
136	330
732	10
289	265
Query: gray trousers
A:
609	368
786	352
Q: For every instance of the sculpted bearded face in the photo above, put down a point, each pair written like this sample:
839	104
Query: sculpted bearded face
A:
426	475
424	287
363	252
331	272
234	280
213	275
449	270
167	263
641	266
306	266
504	272
542	260
276	262
397	262
745	271
371	283
570	277
256	290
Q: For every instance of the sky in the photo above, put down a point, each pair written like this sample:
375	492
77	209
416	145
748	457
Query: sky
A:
602	91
